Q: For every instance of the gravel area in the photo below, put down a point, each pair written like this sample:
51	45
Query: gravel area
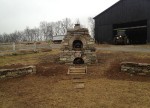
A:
126	48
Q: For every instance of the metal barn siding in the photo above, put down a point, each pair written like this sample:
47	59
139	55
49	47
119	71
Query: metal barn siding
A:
105	33
123	11
148	31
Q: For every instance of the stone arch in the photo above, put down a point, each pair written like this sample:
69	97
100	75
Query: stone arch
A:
77	44
79	38
78	60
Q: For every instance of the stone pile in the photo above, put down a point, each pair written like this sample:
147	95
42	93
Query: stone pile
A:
11	73
135	68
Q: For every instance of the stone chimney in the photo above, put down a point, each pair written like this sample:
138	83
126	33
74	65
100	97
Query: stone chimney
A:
77	26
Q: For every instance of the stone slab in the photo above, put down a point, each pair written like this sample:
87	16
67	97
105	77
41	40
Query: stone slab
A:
79	86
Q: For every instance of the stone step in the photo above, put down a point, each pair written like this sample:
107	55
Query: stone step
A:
77	70
79	83
79	86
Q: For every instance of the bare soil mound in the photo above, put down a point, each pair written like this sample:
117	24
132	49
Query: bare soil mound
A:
51	69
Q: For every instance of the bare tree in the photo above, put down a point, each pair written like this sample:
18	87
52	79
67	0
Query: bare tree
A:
57	28
22	36
66	24
37	34
1	38
91	24
46	29
14	37
77	21
60	27
27	34
50	32
6	37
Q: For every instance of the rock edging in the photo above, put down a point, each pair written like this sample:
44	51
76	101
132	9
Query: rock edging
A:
17	72
136	68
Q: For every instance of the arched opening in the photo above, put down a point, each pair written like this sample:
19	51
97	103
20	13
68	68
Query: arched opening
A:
78	61
77	44
136	32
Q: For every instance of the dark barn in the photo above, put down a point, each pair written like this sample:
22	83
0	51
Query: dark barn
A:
133	16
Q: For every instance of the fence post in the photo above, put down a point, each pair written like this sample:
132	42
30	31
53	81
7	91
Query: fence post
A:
14	47
34	46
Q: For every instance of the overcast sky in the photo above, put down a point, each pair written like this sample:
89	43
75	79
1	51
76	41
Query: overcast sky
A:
18	14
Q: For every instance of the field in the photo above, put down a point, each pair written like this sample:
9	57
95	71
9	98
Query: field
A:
51	87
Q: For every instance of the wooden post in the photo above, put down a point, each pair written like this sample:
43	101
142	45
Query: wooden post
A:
14	47
34	46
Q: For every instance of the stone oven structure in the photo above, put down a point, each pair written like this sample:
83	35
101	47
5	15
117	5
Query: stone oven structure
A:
78	47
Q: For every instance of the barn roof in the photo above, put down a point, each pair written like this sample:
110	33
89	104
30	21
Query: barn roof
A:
108	8
58	37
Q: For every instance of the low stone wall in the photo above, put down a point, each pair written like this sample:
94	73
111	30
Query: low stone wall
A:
11	73
135	68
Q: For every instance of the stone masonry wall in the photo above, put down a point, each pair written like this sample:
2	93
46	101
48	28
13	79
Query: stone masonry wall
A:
11	73
69	56
135	68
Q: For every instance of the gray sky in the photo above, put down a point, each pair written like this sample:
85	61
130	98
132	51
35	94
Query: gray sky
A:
17	14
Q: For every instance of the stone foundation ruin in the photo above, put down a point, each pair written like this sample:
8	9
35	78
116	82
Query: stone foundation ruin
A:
78	47
17	72
135	68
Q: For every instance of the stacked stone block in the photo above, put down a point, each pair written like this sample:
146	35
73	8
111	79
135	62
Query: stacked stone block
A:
86	52
17	72
135	68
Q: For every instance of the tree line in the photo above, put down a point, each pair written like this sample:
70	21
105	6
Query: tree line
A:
44	32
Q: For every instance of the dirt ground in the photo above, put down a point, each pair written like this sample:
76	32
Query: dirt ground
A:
51	87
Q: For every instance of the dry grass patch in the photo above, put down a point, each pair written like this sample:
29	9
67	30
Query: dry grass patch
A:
52	92
26	59
51	87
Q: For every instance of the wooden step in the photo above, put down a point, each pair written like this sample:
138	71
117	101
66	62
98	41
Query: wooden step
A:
77	70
